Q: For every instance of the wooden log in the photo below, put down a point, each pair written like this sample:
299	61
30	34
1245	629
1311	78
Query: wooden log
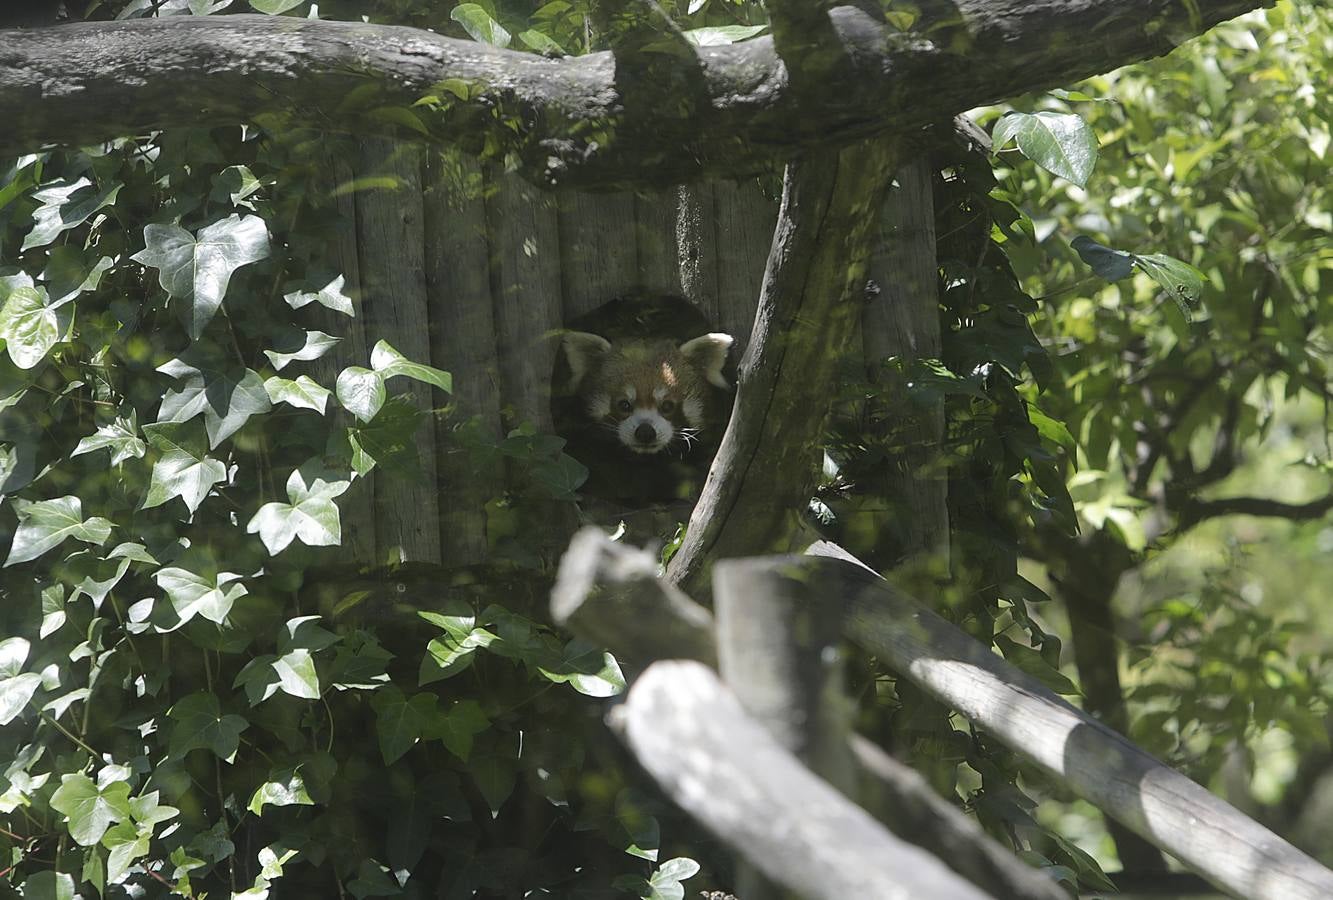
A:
725	769
697	252
525	267
598	257
462	342
812	291
391	247
778	637
778	652
609	594
1204	832
356	507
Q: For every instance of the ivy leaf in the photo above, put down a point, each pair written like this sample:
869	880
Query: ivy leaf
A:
452	652
361	392
1110	264
302	345
400	722
296	674
495	778
47	523
388	362
331	296
665	883
302	633
274	7
197	270
66	205
310	515
542	43
235	184
479	25
285	787
201	725
195	593
16	686
389	439
30	324
121	437
185	469
456	729
67	273
1061	143
225	396
49	885
303	393
127	842
1031	662
586	668
88	809
722	35
91	574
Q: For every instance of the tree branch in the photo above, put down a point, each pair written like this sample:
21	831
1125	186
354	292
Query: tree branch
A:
81	83
1195	511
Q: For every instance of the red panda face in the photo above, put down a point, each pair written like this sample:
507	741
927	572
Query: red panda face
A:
650	394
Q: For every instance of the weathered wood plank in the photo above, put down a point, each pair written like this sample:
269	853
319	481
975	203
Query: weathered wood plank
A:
525	269
726	770
356	507
1201	830
598	257
462	342
655	238
744	219
391	244
902	319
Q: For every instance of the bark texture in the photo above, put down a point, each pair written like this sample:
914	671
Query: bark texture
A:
580	120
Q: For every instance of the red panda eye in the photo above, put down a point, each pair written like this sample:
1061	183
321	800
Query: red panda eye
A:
668	406
625	406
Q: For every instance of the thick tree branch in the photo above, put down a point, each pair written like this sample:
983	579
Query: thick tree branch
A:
1195	511
81	83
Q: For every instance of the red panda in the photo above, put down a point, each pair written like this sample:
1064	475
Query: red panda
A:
641	395
649	393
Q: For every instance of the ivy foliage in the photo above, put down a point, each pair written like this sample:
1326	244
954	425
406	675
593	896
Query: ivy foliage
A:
199	696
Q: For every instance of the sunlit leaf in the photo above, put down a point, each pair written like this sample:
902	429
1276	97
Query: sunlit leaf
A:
45	524
1061	143
479	24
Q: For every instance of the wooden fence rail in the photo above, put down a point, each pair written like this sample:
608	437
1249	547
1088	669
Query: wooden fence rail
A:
606	592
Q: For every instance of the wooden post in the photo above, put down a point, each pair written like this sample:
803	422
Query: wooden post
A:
462	342
598	257
726	770
391	244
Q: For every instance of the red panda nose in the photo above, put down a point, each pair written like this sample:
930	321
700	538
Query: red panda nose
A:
645	433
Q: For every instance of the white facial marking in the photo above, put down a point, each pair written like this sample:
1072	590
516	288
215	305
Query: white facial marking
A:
694	411
662	431
659	394
599	406
630	393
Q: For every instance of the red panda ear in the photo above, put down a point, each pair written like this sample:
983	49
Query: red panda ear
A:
708	352
582	350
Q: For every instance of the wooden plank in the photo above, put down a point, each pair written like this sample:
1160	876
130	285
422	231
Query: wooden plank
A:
1201	830
902	319
655	239
598	257
462	342
525	268
356	506
745	219
728	772
393	279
